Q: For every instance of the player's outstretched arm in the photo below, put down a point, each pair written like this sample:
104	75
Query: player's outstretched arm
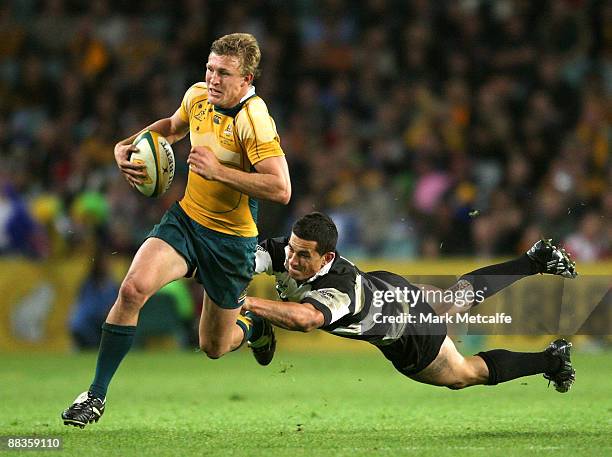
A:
172	128
302	317
271	182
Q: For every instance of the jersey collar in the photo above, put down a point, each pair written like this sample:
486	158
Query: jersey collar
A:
234	110
323	271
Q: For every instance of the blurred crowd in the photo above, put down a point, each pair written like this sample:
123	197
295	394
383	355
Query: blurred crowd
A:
425	128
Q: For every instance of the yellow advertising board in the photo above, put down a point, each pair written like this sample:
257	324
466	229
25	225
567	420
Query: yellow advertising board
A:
37	298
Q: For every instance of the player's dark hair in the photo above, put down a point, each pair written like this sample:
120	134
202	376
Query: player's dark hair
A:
317	227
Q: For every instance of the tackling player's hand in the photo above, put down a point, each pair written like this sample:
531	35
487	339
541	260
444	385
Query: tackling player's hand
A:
246	306
132	172
204	162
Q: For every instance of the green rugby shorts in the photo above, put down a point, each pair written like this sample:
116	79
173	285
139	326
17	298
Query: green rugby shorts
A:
222	263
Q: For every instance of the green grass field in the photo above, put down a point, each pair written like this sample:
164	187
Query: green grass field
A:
344	403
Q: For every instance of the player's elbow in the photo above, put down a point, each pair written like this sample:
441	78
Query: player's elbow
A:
285	198
283	195
305	327
308	322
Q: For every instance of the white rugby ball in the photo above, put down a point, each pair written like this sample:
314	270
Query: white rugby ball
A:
156	154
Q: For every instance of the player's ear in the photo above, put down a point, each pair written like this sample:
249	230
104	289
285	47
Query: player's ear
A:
248	79
328	257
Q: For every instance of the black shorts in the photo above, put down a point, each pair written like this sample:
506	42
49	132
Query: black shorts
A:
412	353
420	343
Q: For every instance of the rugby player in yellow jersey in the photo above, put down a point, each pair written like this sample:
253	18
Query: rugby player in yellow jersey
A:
211	233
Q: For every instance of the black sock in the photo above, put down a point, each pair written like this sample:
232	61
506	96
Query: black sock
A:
507	365
115	343
493	278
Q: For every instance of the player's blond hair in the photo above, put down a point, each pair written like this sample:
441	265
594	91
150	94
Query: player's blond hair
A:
241	45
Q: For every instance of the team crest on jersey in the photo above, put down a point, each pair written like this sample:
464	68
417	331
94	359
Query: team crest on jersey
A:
201	113
228	130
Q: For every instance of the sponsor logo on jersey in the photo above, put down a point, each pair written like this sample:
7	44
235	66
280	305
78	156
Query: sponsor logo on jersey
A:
326	294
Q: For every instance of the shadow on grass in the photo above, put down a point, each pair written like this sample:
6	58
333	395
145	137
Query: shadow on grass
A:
199	433
308	439
552	436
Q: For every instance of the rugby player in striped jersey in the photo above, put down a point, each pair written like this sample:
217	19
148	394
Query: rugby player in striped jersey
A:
320	289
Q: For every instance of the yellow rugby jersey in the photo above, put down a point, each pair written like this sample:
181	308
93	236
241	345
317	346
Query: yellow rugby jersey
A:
240	137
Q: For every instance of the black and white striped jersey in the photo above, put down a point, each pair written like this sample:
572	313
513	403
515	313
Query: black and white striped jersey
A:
346	296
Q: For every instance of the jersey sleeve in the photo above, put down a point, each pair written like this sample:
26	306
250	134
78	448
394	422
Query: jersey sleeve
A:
270	256
332	296
333	303
257	132
194	91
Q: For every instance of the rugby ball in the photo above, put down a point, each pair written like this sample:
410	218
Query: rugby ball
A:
156	154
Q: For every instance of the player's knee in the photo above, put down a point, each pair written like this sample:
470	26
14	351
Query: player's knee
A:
213	351
131	295
214	355
458	385
466	379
